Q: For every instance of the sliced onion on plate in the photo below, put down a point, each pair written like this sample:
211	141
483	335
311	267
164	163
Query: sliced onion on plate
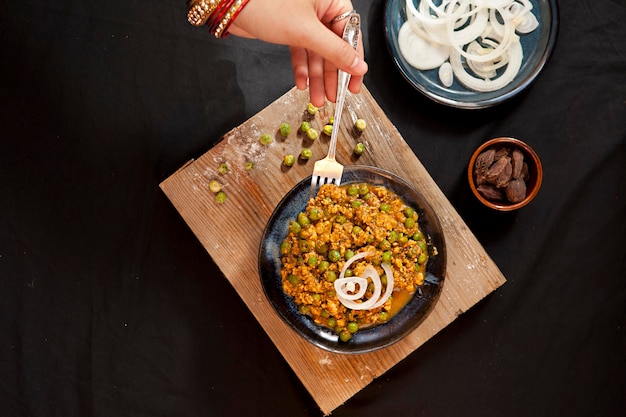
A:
351	289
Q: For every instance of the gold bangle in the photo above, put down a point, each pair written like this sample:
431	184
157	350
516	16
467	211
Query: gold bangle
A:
200	11
228	18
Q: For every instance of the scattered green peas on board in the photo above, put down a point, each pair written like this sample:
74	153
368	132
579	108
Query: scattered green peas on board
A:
289	160
220	197
285	129
266	139
311	109
360	125
312	134
359	148
328	130
331	121
215	186
306	153
248	166
223	168
305	126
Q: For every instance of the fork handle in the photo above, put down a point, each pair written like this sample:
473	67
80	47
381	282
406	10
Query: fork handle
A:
350	35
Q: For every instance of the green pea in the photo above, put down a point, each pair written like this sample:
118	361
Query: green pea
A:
294	227
383	279
349	272
387	256
384	245
289	160
349	254
340	218
293	279
384	207
312	261
266	139
417	236
304	309
220	197
285	247
353	190
223	168
359	149
323	266
422	245
303	220
393	236
304	127
356	203
321	247
363	190
403	239
331	121
331	322
356	230
248	166
316	297
304	245
367	196
360	125
334	255
408	211
345	336
215	186
422	258
306	153
330	276
285	129
352	327
311	109
328	130
383	316
312	134
409	222
314	214
324	313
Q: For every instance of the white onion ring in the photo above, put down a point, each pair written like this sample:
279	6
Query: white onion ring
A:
461	26
350	289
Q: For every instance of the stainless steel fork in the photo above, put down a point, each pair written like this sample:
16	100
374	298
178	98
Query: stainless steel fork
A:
328	170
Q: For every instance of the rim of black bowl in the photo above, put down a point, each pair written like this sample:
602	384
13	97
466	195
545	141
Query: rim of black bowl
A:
365	340
490	98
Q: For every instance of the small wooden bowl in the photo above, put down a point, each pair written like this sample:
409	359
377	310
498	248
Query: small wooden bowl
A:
535	173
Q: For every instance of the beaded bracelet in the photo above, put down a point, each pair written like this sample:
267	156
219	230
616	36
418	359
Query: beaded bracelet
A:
215	14
200	11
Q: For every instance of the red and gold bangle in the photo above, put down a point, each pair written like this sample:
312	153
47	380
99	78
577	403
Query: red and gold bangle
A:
218	15
200	11
233	11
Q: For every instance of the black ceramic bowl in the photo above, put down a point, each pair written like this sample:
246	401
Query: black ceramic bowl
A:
365	340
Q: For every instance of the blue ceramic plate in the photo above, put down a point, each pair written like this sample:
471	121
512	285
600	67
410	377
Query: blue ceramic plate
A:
365	340
537	47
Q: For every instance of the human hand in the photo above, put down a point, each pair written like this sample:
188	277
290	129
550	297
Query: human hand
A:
317	49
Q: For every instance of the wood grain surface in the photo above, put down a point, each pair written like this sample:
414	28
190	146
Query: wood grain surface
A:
237	226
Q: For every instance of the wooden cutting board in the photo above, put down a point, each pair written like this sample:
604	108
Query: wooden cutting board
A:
236	226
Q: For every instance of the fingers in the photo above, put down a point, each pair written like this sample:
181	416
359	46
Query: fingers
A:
300	64
317	90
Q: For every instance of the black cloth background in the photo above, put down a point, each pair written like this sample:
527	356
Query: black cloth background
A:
109	306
